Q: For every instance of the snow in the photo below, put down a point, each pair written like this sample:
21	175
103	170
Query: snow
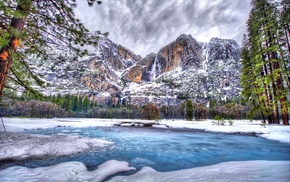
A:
266	171
67	171
279	133
20	146
20	124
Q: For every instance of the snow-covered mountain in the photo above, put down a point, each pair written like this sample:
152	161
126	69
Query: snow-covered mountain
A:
182	69
186	69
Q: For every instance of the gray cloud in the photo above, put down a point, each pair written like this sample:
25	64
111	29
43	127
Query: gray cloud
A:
144	26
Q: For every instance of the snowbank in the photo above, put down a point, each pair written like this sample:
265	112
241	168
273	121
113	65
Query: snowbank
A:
279	133
68	171
20	124
264	171
20	145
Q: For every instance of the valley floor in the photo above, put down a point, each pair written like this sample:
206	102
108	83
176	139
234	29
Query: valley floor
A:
17	145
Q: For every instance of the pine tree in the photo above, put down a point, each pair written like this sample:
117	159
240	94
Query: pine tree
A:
80	104
75	103
70	104
250	91
189	110
262	75
66	102
31	28
181	109
58	99
86	104
285	25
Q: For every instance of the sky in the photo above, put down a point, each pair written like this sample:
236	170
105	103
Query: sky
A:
145	26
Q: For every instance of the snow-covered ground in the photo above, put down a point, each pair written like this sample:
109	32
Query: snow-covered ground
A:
273	132
279	133
21	146
17	145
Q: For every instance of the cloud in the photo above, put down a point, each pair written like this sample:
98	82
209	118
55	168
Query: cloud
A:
145	26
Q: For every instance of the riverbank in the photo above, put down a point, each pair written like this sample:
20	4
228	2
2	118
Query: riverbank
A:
279	133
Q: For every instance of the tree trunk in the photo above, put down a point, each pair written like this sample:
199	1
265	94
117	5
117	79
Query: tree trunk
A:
267	91
283	100
6	53
279	84
275	107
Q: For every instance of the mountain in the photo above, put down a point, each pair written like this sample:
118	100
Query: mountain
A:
185	68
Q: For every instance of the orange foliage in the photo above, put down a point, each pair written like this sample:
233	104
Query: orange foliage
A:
15	43
150	111
4	55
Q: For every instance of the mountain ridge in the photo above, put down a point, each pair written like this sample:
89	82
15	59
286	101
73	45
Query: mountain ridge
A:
113	74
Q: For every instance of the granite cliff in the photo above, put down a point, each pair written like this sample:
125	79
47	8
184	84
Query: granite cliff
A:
185	68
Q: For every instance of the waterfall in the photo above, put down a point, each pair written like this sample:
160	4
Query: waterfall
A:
155	69
206	56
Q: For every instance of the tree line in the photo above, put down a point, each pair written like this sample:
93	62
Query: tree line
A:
188	110
265	60
81	106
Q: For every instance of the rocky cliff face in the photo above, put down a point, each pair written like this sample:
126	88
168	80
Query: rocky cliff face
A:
182	69
99	72
188	69
182	54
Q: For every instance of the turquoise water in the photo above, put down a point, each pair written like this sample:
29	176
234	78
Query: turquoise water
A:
165	150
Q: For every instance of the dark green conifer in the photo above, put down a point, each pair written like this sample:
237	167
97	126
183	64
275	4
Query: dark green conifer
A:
189	110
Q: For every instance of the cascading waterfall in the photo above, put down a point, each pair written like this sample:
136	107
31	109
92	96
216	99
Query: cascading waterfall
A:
155	69
206	56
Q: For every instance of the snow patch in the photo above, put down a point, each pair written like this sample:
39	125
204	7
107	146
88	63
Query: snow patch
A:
68	171
20	146
266	171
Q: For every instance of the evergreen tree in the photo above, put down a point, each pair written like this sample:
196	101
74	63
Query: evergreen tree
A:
93	104
181	110
66	102
80	104
32	28
86	104
250	91
58	99
75	103
70	104
262	74
285	25
189	110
